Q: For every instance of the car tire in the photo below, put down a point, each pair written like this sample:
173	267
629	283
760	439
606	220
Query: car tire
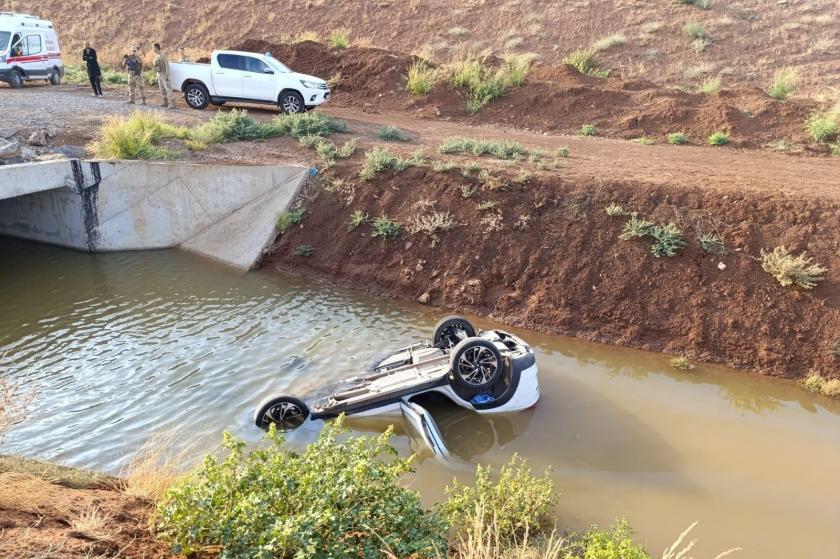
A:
291	102
16	80
287	413
452	329
196	96
475	364
55	77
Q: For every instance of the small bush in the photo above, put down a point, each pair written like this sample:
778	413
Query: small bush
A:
694	31
682	363
563	151
390	133
442	166
615	542
831	388
329	152
644	140
517	67
614	209
287	219
468	190
783	84
822	126
711	243
378	159
484	83
338	498
791	270
501	149
711	85
719	139
313	123
432	224
232	126
136	137
357	218
384	228
635	228
517	502
667	239
588	130
585	62
610	41
470	168
421	78
677	138
486	205
492	222
340	39
813	382
304	250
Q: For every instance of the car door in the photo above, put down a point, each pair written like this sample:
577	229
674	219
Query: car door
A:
35	56
423	426
258	80
227	76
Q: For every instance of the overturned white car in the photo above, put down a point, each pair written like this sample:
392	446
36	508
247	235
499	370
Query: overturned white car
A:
487	372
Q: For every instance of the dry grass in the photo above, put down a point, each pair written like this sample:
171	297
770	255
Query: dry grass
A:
154	468
483	540
680	548
610	41
91	522
791	270
67	476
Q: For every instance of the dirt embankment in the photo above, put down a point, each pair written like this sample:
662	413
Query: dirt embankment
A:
556	99
555	262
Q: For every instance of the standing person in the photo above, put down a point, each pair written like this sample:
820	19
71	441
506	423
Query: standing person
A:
134	66
94	72
162	70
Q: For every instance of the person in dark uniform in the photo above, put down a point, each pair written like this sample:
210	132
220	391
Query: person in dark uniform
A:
93	71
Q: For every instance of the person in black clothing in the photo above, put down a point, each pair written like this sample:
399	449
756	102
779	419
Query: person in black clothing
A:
93	71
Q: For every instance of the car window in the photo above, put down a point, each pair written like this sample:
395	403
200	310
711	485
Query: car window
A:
229	61
254	65
4	39
33	44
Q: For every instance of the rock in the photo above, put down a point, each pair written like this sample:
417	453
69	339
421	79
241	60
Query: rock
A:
721	266
424	298
6	133
474	282
37	138
70	152
28	154
9	149
51	157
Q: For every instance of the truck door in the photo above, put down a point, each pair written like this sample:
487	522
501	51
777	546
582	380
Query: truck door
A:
258	80
227	75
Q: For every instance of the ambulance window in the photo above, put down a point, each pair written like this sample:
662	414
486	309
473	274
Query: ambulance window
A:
4	39
33	44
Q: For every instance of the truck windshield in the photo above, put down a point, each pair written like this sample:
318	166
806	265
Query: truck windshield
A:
4	39
276	64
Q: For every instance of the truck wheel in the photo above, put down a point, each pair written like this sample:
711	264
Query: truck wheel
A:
196	96
55	77
16	80
291	102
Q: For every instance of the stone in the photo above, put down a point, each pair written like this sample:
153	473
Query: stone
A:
424	298
9	149
721	266
6	133
51	157
28	154
70	152
37	138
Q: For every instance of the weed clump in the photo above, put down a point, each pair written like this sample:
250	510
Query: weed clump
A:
588	130
822	126
614	209
432	224
501	149
390	133
304	250
677	138
137	137
484	83
615	542
682	363
421	78
384	228
694	31
357	218
340	39
586	62
610	41
719	139
378	159
711	243
289	218
783	84
666	239
791	270
711	85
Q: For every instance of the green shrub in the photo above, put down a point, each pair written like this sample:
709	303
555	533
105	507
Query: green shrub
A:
483	83
610	41
694	30
719	139
340	39
667	239
783	84
516	502
75	74
814	381
682	363
289	218
421	78
468	191
791	270
585	62
442	166
501	149
304	250
831	388
357	218
563	151
329	152
822	126
711	85
588	130
378	159
136	137
390	133
517	67
231	126
677	138
635	227
339	498
384	228
711	243
611	543
312	123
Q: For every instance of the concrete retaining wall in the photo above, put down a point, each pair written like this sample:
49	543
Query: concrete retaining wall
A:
223	212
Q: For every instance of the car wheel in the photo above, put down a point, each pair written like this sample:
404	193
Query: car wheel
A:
196	96
451	330
55	77
291	102
286	413
475	364
16	80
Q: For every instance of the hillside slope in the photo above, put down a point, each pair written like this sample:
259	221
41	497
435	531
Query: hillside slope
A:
748	40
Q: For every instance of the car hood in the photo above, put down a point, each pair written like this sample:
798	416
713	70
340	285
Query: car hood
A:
307	77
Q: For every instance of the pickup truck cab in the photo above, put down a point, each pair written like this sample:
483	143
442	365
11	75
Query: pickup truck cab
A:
247	77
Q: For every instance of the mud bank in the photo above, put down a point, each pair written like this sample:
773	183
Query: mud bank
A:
555	262
557	99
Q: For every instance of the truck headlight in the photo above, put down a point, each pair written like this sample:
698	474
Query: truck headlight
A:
310	85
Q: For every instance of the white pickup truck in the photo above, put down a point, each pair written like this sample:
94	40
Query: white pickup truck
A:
247	77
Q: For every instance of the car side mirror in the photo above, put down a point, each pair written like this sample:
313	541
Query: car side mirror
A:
268	71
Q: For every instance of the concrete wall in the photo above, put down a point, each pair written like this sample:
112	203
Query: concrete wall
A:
223	212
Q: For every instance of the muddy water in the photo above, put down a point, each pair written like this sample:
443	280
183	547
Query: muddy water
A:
119	346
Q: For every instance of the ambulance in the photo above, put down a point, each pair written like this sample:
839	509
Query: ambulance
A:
28	50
